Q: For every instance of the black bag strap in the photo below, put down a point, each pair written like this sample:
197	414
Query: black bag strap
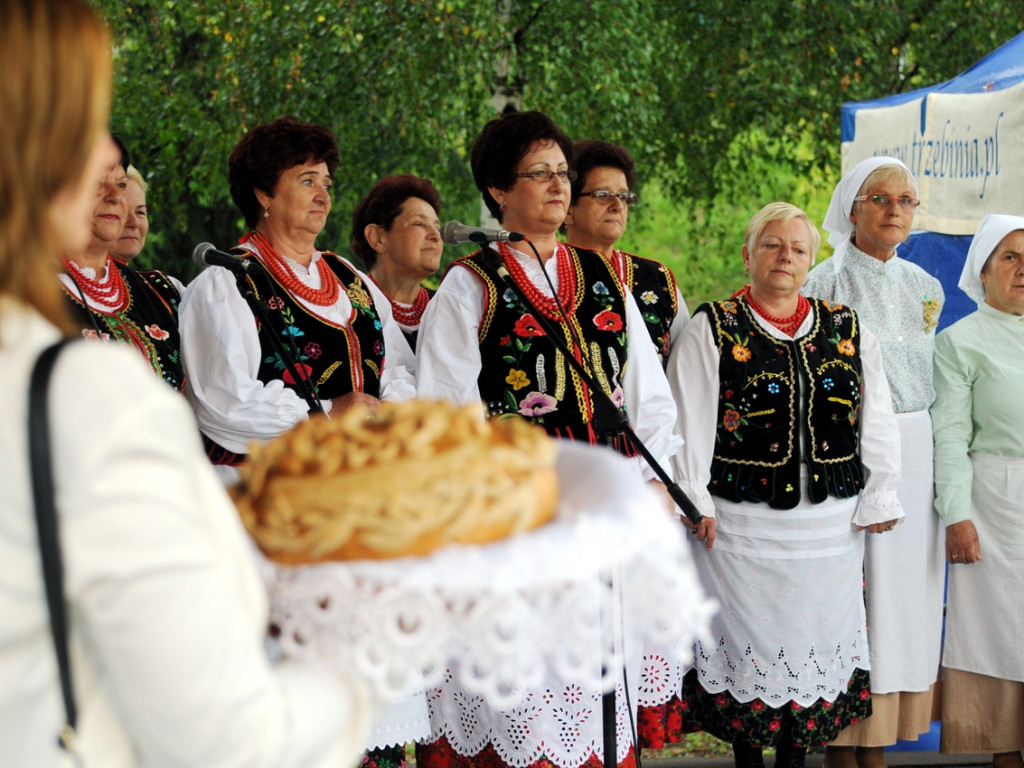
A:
46	522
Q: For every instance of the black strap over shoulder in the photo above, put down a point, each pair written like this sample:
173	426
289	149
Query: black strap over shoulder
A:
46	521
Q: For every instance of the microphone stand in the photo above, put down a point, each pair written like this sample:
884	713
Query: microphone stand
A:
262	311
619	426
620	423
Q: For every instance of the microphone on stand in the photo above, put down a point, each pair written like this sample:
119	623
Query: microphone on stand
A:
206	255
454	233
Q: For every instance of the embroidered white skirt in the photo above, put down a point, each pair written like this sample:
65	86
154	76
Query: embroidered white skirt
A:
792	624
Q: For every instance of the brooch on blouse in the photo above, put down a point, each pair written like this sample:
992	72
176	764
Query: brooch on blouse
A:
931	314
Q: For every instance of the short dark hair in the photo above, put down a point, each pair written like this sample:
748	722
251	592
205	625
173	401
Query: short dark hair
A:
267	151
126	159
591	154
382	206
505	141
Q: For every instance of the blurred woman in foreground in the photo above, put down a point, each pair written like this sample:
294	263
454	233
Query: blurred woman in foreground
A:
166	609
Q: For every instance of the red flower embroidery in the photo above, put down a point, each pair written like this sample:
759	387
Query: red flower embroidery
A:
290	379
527	325
731	420
736	723
312	350
811	725
864	694
607	320
757	705
156	332
506	341
275	302
774	725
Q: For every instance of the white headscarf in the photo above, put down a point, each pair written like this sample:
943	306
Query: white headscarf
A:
991	231
837	219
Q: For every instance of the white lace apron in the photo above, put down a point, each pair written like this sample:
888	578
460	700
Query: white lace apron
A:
985	614
791	625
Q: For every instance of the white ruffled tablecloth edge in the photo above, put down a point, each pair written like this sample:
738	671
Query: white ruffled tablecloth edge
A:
514	616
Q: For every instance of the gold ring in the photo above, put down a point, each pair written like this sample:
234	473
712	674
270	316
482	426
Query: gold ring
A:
956	557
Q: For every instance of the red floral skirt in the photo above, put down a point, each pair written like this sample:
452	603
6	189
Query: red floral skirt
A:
439	754
754	723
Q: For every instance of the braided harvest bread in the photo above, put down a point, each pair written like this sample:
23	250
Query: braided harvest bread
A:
403	481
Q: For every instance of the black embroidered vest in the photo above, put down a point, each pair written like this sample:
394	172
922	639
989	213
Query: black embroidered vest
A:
523	373
772	392
338	360
149	322
323	350
654	287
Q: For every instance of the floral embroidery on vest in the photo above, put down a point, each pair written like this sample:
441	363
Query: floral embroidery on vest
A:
337	359
654	287
148	322
524	374
764	381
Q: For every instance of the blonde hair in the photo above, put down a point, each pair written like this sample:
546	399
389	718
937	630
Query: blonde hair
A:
55	99
887	173
781	212
134	175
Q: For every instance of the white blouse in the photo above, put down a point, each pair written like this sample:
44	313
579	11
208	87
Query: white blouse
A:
167	612
222	356
693	373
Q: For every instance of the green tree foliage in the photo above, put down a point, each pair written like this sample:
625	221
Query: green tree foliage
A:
725	104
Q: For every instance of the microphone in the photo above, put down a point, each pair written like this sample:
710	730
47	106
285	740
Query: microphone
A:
454	233
206	255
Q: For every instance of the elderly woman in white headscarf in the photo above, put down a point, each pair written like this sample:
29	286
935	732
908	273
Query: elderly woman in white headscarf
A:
978	420
871	213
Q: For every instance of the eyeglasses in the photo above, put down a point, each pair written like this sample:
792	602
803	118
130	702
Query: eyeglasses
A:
544	176
604	196
884	201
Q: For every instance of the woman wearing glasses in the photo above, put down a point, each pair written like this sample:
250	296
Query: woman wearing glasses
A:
479	340
871	213
601	198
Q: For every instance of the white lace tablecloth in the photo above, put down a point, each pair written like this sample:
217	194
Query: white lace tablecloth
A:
502	622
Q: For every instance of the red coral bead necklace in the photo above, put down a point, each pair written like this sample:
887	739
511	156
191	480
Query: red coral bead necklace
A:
110	296
324	296
545	304
788	325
